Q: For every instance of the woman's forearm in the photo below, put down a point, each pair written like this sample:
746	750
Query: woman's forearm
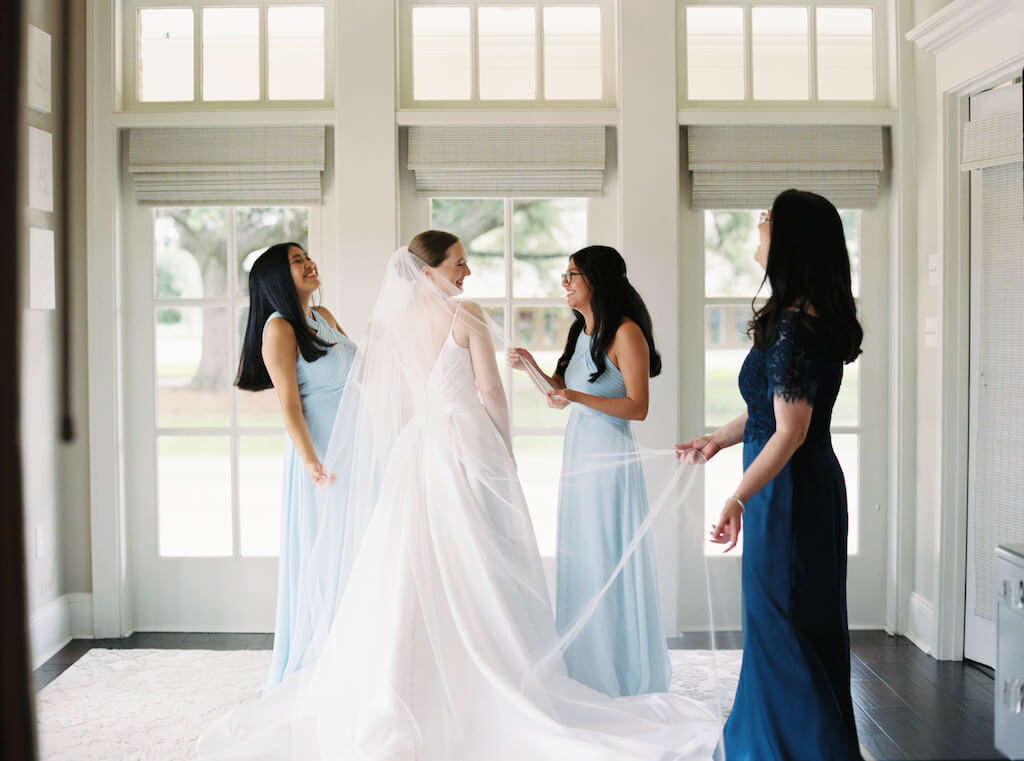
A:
620	407
298	432
731	433
769	462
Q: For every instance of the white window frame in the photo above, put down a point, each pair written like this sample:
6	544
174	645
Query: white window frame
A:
232	301
128	59
880	19
609	57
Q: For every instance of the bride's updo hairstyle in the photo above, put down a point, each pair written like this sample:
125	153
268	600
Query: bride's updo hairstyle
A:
431	246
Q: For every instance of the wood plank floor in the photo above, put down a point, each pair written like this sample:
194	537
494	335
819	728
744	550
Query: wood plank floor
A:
908	705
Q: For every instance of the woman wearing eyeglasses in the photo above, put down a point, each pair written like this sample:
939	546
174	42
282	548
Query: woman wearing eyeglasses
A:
793	698
604	371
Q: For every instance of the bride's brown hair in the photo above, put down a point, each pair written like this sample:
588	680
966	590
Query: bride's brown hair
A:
431	246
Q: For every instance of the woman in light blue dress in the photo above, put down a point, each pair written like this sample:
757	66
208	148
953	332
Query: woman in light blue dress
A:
604	371
302	352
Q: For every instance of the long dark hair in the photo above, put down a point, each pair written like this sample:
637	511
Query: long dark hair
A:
809	266
271	289
612	298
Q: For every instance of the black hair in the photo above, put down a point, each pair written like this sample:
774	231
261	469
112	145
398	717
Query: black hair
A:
271	289
612	299
809	267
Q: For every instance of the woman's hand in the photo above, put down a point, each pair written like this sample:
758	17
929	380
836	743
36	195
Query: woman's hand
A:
559	398
518	358
727	530
705	445
319	476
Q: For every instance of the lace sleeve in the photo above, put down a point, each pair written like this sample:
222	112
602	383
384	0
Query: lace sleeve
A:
792	371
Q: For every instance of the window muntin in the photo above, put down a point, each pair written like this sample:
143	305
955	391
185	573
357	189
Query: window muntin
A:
517	248
215	443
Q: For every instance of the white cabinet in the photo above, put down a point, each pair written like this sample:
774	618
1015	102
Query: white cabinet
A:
1009	714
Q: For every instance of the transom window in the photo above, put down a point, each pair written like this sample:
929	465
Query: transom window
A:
521	52
252	53
518	249
770	50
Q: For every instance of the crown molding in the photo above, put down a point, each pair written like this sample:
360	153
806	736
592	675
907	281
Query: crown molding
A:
957	20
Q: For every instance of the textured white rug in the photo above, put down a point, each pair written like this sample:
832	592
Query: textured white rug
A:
150	705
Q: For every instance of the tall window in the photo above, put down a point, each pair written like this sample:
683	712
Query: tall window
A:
208	52
767	51
518	249
484	52
218	449
731	277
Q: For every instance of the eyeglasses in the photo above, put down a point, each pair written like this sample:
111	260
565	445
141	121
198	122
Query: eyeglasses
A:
766	216
568	276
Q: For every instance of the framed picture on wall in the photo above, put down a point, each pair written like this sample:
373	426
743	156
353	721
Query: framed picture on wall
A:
38	70
40	169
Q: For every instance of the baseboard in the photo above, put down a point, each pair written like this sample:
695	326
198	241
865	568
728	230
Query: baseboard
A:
921	624
53	625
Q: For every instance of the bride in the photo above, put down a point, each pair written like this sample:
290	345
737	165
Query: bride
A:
441	644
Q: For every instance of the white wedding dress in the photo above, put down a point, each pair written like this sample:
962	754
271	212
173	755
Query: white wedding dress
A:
441	643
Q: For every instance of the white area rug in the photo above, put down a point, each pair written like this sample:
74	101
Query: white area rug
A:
150	705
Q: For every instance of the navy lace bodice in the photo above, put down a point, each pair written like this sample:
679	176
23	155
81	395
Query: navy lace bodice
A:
796	366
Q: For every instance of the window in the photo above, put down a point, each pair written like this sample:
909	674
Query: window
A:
218	449
518	249
196	53
481	52
731	276
784	51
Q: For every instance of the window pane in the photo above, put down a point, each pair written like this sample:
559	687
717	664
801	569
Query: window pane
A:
191	252
194	493
260	471
851	230
195	365
544	234
722	475
714	53
441	53
295	47
572	53
256	409
166	57
540	464
726	346
847	407
780	53
847	449
508	53
480	223
258	228
542	330
730	241
231	54
846	59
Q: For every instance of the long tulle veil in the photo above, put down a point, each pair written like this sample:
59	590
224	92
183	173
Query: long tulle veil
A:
394	431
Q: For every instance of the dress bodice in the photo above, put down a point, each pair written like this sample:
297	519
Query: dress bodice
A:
577	377
796	366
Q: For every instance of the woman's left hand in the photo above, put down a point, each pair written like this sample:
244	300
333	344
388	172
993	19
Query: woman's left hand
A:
560	398
727	530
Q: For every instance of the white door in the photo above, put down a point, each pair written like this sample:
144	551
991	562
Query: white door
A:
996	416
203	475
731	277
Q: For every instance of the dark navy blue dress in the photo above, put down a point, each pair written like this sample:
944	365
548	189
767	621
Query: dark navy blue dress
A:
793	698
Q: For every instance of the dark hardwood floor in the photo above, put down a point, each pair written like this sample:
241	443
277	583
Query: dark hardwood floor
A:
908	705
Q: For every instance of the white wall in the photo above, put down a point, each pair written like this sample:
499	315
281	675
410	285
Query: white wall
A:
55	474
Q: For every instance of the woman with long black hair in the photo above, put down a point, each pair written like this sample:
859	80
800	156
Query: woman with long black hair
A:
301	351
793	698
604	371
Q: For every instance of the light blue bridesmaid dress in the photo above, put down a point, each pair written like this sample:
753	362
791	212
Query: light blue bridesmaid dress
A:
320	386
622	650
